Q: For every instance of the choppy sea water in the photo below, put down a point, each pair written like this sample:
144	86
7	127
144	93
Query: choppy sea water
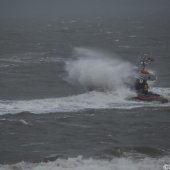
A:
64	103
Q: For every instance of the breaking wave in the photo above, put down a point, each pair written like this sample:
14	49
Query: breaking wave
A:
92	164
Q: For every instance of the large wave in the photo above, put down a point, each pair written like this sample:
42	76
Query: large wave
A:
90	69
93	164
94	69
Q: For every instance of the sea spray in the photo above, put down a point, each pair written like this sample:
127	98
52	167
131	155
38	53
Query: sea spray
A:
94	69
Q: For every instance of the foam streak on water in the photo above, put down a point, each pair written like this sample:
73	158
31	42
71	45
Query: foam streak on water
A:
89	100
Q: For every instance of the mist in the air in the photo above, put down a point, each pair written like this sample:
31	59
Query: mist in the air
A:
96	70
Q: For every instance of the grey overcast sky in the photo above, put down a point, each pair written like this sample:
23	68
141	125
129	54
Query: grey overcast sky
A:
24	8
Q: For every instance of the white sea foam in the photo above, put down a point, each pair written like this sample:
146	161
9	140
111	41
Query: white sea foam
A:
162	91
92	164
22	121
89	100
